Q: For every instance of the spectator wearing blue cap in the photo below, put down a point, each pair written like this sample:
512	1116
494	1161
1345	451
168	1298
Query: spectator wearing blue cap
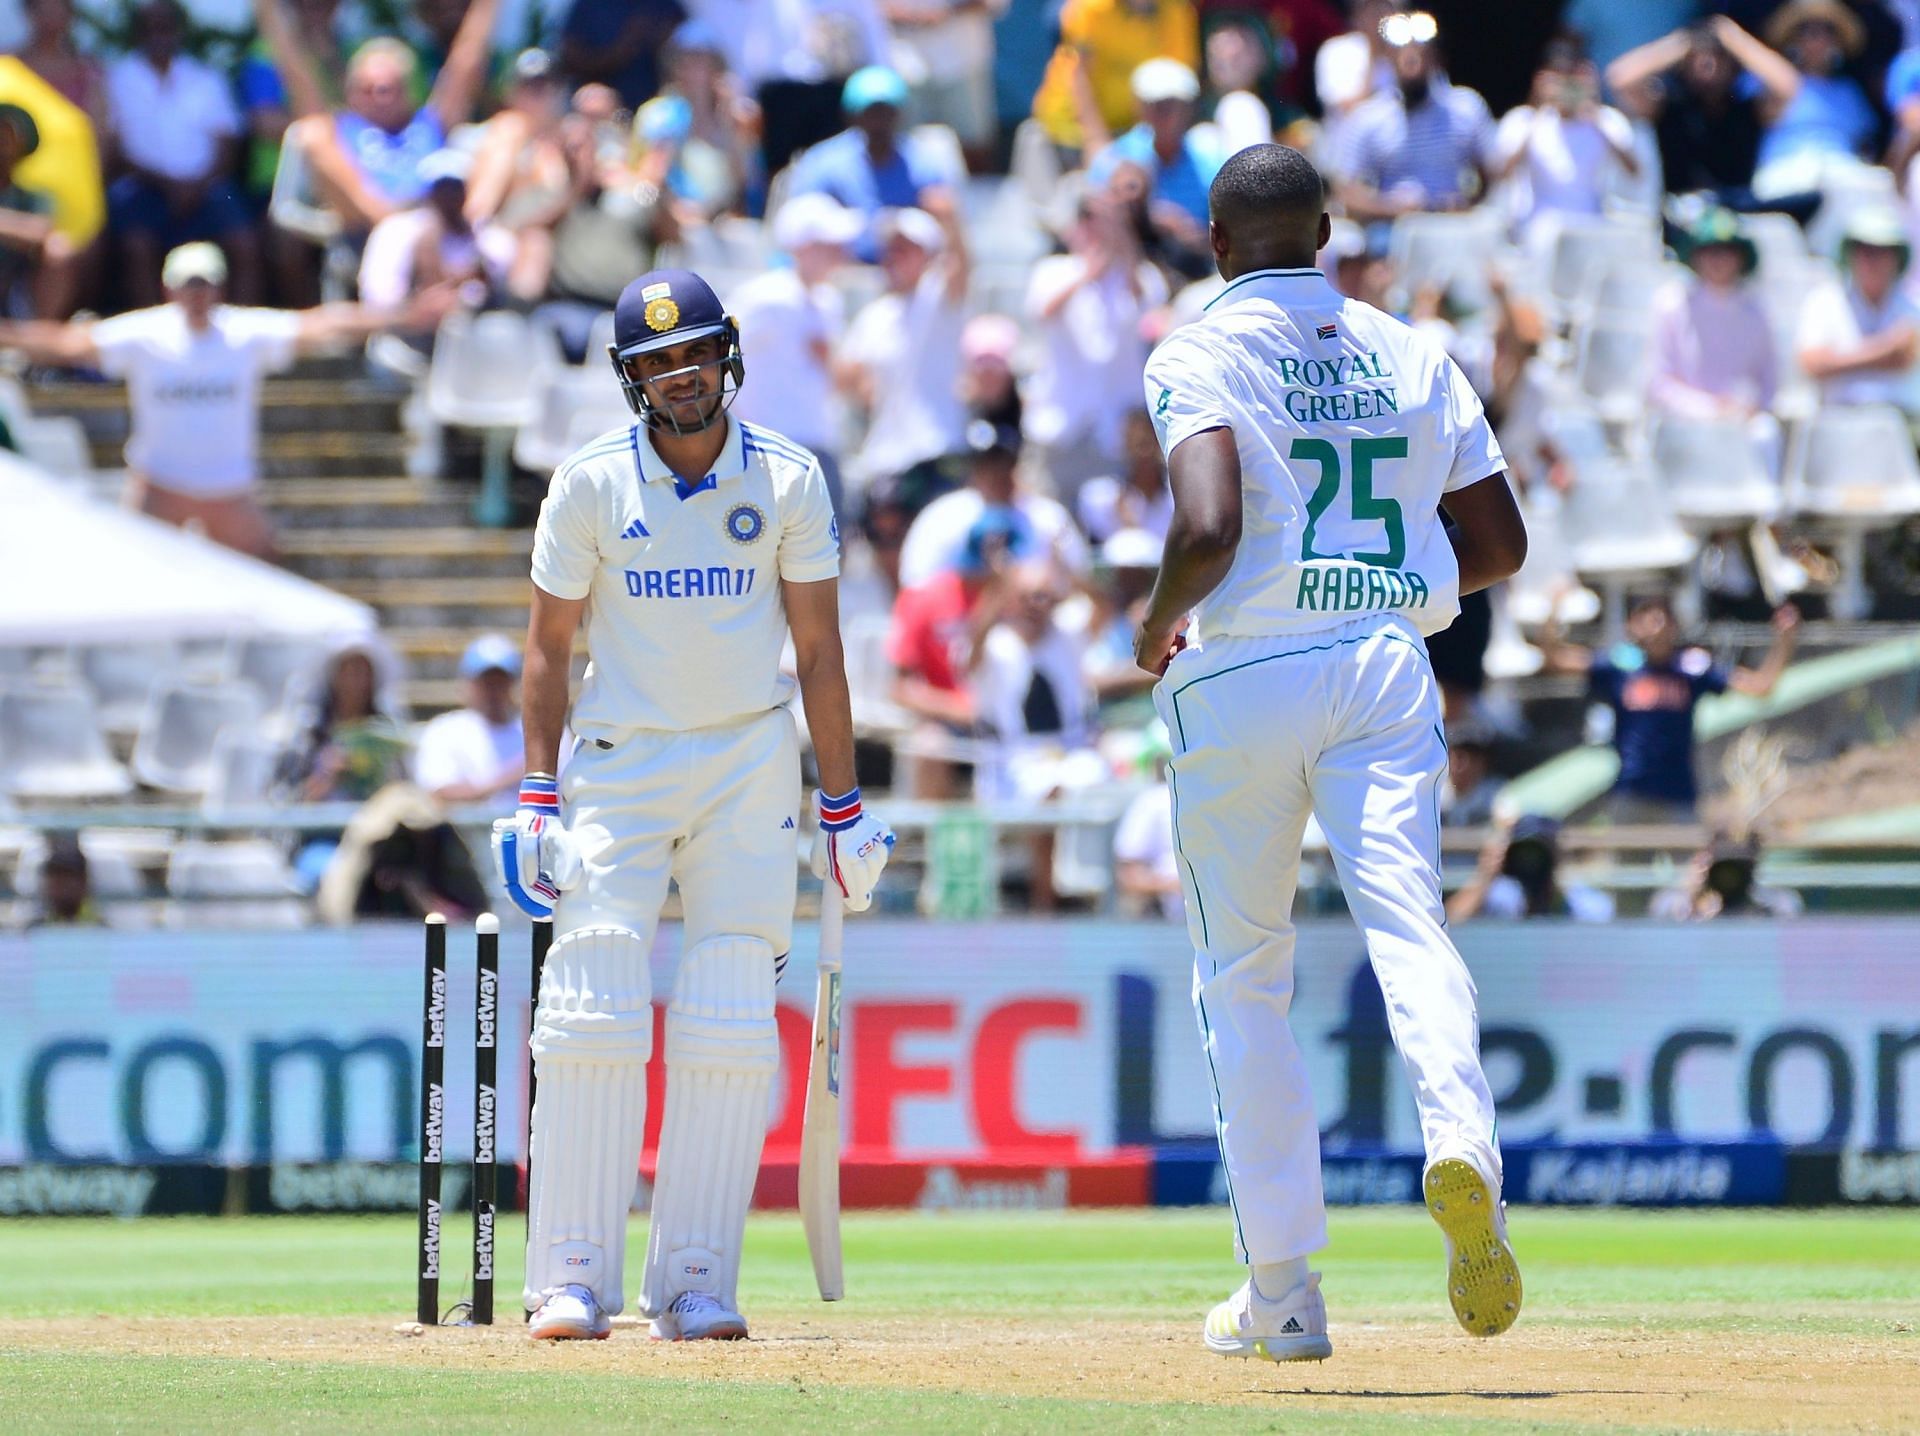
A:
617	43
870	166
475	753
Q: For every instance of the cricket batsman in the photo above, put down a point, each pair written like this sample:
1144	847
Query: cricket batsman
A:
1312	441
693	544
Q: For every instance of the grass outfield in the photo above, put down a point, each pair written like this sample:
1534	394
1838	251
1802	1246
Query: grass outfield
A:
1060	1322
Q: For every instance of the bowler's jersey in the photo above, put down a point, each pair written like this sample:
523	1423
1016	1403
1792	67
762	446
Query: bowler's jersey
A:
685	621
1350	427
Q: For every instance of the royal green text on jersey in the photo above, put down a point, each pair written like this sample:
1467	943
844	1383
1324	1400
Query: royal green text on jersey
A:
1306	378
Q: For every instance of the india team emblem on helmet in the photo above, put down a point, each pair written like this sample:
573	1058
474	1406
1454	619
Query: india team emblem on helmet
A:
662	314
745	523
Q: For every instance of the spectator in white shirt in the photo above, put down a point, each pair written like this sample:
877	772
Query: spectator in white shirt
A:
1145	862
937	542
1351	68
474	754
178	131
900	360
193	368
1860	340
434	243
1032	699
1563	148
790	318
1088	304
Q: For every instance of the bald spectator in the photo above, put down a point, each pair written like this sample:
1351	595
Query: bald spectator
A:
1089	307
367	157
1421	144
1087	95
871	166
178	135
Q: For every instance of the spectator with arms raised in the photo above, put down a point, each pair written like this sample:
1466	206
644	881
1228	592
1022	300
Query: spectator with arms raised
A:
1087	95
193	368
367	159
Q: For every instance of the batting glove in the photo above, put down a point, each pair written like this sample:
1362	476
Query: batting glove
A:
851	848
535	858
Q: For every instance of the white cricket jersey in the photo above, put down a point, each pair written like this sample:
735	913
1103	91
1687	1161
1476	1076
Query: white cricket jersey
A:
1350	427
685	621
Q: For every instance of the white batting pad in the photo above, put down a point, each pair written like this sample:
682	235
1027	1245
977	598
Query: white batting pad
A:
722	1050
592	1036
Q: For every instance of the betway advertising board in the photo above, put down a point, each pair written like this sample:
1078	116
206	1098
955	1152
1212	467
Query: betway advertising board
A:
1004	1063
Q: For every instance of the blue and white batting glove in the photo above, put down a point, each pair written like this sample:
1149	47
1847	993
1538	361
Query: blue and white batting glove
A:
850	848
535	858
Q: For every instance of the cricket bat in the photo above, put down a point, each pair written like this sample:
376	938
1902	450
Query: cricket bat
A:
820	1134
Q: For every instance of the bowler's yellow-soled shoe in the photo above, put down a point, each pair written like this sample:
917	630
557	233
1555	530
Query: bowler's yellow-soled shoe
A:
1294	1328
1483	1277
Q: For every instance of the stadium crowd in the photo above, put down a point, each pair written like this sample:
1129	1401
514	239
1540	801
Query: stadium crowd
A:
1676	270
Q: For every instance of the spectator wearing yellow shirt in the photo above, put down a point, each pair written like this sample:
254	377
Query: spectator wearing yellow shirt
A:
1087	96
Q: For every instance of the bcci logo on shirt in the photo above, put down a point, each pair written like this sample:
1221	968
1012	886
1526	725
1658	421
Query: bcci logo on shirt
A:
745	523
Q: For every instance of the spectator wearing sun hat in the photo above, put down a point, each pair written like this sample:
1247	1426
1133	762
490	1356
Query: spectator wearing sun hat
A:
1860	339
1180	160
790	319
474	753
871	166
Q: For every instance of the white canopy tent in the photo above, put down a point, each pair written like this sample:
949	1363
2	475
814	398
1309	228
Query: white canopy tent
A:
74	570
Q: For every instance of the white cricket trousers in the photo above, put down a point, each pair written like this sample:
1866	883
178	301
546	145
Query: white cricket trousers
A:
714	809
1343	724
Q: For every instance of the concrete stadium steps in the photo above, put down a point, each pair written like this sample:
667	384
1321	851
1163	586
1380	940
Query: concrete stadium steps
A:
391	503
470	605
296	405
433	653
339	556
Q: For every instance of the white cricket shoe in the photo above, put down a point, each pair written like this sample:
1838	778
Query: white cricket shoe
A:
1483	1276
570	1314
695	1316
1294	1328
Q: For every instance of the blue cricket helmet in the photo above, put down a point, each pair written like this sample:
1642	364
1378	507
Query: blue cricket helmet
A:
660	309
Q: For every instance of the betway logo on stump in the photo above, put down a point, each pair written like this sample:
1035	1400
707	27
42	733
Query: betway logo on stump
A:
483	1126
430	1245
437	1010
483	1245
436	1120
486	1007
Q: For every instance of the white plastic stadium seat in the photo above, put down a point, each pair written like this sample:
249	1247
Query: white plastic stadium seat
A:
1614	364
1449	250
1584	246
1622	527
121	676
1712	473
478	378
1547	585
51	745
270	665
1781	243
870	675
583	402
241	770
174	751
1855	472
